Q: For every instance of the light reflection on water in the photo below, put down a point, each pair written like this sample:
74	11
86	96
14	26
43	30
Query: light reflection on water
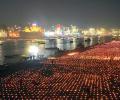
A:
18	48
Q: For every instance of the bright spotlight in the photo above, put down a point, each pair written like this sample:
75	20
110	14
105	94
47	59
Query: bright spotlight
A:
33	50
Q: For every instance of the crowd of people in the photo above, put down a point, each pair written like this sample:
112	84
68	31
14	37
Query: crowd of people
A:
90	75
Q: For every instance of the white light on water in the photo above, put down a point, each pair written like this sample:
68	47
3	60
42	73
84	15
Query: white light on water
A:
33	50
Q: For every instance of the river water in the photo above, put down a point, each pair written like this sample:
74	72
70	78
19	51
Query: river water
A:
12	50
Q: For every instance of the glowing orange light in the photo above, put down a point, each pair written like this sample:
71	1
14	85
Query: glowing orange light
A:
73	53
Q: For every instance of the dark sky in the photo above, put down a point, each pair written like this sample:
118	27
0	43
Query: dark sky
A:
50	12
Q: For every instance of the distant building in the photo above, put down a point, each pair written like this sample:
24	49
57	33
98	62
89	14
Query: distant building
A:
31	35
32	32
13	34
3	34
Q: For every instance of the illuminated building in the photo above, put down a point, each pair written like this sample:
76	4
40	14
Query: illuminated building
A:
33	28
61	31
96	31
32	31
92	31
3	34
50	34
115	32
58	30
13	34
74	30
67	31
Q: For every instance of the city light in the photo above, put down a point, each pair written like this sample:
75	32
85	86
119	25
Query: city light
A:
34	24
33	28
3	34
49	34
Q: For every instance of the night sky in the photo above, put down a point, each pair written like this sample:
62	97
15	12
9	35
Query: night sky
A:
50	12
